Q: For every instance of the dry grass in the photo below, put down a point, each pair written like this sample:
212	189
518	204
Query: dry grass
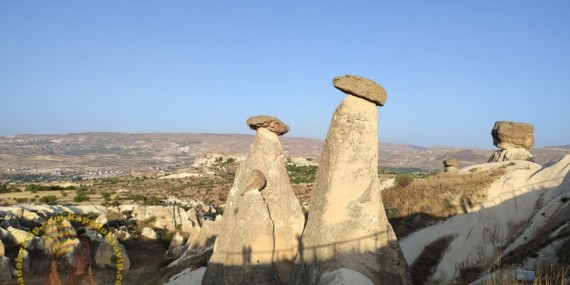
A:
426	201
547	275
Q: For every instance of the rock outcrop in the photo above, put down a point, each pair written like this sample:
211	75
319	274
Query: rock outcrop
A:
263	220
525	210
451	165
514	139
105	256
347	226
511	154
169	218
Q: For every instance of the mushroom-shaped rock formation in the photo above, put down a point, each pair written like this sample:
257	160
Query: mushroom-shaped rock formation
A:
451	165
514	139
513	135
263	220
361	87
268	122
347	225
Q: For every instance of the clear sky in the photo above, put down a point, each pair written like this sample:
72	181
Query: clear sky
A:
451	68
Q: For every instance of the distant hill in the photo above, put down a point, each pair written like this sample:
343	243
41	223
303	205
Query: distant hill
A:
121	153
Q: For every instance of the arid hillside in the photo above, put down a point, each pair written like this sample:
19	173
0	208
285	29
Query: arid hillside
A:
93	155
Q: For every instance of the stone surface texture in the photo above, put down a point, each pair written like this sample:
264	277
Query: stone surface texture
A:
508	134
268	122
347	225
361	87
259	234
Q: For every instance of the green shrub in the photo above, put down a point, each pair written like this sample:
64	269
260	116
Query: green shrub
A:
404	180
49	199
81	197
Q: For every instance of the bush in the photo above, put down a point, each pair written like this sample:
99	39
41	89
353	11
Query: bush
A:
81	197
4	188
49	199
404	180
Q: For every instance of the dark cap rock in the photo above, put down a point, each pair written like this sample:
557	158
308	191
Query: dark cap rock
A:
268	122
508	134
361	87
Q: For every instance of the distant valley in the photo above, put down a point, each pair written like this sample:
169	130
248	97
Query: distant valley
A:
92	155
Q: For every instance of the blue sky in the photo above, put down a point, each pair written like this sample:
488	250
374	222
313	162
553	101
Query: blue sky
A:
451	68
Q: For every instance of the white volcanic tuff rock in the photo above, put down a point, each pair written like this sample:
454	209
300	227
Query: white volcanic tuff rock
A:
17	235
259	235
187	277
175	249
106	257
167	217
511	154
148	234
347	225
511	202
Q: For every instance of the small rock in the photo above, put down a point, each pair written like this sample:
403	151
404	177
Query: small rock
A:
361	87
268	122
1	248
101	220
148	234
177	241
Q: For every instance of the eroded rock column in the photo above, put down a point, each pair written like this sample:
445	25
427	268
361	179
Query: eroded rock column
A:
347	227
263	221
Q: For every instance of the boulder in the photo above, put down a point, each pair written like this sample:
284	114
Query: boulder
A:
262	221
513	135
105	256
452	162
32	217
122	233
192	235
191	213
451	169
17	235
511	154
169	218
206	237
101	220
148	234
361	87
268	122
176	242
347	225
